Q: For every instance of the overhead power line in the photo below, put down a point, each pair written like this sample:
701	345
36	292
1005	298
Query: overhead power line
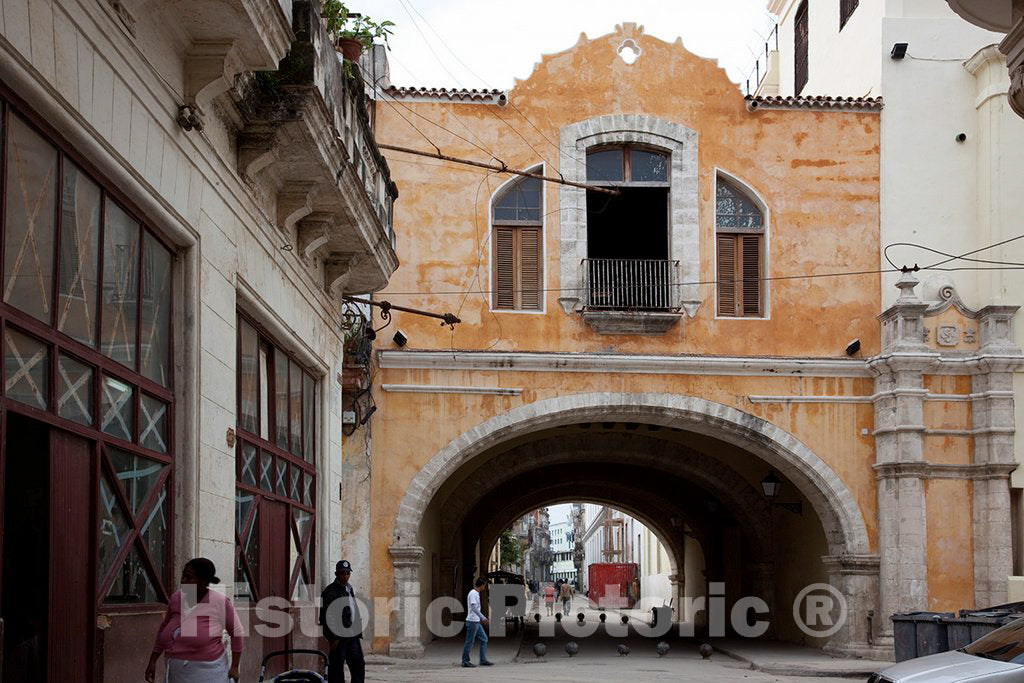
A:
498	169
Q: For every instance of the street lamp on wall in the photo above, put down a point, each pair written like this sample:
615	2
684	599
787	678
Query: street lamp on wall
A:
770	486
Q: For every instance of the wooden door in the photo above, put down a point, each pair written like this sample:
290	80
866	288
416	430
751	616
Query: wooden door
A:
70	627
275	540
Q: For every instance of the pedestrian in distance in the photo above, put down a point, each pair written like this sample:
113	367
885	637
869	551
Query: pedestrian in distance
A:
476	625
549	598
565	593
190	634
343	627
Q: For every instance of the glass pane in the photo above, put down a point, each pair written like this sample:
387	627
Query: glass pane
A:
266	463
252	545
734	210
133	583
307	490
281	398
281	478
120	285
520	202
156	312
249	453
295	393
74	390
113	527
30	217
153	424
645	166
264	393
295	490
116	403
26	362
248	383
604	165
302	520
78	286
138	475
308	417
155	534
243	589
243	503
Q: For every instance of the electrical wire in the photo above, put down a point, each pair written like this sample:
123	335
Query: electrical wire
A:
951	257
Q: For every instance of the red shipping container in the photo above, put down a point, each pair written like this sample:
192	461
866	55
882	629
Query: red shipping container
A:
609	584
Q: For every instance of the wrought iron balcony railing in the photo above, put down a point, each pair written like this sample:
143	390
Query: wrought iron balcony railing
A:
631	285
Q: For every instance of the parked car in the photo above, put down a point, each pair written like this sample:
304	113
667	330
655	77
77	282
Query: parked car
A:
997	656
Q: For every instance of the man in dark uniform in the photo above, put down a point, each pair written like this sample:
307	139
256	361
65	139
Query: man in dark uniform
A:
343	627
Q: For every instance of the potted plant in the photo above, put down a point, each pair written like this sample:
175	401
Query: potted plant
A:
351	32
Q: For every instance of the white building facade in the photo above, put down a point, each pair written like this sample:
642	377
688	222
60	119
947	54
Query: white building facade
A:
951	159
562	544
178	231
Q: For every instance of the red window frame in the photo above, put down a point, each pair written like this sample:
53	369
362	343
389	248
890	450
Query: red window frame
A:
305	564
60	344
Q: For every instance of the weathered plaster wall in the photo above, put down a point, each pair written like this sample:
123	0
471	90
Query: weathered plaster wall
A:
816	171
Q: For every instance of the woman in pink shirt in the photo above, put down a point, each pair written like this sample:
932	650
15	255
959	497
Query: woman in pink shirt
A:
191	632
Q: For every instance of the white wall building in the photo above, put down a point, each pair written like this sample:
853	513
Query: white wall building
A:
951	147
613	536
178	232
562	544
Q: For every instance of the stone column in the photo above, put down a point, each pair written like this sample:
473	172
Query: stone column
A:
405	623
856	578
761	576
899	456
677	583
993	412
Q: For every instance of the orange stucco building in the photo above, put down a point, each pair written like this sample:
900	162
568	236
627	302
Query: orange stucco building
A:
668	345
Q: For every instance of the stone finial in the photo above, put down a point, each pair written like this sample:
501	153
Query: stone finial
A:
906	285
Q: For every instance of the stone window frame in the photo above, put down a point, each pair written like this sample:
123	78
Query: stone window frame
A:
684	225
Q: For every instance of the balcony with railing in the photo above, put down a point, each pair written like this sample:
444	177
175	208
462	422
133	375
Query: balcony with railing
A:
308	132
631	296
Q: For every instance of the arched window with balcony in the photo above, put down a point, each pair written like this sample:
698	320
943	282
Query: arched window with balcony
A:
739	238
628	234
517	246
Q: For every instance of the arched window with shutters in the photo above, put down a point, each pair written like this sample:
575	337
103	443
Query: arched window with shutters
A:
517	247
739	237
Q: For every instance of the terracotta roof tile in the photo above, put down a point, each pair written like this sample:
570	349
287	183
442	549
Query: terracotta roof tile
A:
450	94
816	102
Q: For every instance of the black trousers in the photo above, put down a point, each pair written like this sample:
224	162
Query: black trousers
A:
350	651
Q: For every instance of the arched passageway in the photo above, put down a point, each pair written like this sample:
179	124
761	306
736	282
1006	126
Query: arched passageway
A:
661	458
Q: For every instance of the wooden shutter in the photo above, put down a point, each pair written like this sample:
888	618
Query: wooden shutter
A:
751	270
726	275
529	268
504	268
801	37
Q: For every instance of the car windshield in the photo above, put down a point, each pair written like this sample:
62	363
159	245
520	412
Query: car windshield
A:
1005	644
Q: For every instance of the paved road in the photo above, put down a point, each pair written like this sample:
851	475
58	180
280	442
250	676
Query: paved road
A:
597	660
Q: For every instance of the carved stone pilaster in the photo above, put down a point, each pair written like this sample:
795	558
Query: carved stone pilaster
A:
856	577
899	438
405	623
994	426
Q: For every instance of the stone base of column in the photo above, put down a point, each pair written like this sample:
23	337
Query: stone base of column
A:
879	651
409	649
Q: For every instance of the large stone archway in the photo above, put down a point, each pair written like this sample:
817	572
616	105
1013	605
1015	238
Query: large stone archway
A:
849	565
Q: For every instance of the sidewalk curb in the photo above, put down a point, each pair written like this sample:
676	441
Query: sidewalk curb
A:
798	671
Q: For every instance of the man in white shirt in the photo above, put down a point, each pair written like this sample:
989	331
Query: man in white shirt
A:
476	622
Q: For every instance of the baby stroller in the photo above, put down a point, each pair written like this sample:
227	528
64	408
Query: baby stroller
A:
295	675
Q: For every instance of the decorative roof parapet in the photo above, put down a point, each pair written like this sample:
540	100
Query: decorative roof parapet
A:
755	102
475	96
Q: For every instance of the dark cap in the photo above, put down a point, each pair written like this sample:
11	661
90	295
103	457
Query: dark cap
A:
343	566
